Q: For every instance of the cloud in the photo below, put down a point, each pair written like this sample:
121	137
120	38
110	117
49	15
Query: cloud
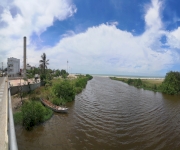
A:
174	38
113	23
108	49
152	17
19	18
100	49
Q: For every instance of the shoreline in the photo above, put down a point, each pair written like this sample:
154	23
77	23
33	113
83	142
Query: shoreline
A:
126	76
131	77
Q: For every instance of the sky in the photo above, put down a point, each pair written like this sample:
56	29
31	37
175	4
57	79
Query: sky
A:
120	37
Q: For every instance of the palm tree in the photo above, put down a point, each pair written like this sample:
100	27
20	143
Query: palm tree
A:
44	62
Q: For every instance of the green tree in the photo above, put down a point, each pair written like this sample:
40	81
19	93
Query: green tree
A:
63	91
32	114
57	73
64	74
171	83
43	62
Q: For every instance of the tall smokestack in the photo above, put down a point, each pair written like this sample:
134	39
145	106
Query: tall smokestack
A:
24	56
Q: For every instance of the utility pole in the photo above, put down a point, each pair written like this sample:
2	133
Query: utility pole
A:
2	68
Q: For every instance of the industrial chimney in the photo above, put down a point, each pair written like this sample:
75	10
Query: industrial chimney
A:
24	57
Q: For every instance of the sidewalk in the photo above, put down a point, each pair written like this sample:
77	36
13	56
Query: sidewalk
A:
3	114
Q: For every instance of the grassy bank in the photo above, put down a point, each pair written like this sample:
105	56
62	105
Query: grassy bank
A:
59	91
147	84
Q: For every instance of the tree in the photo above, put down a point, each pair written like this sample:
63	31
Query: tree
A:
63	92
43	62
171	83
64	74
57	73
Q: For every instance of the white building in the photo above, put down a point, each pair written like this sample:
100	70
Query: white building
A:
28	67
13	67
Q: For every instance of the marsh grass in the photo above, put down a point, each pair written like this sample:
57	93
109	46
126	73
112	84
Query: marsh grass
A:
147	84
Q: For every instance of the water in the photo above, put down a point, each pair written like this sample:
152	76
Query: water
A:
109	115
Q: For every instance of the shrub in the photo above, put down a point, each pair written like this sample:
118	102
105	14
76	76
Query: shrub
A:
78	90
64	90
130	81
18	117
58	101
171	84
89	76
32	114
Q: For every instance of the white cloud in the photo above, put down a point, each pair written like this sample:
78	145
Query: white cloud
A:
107	49
113	23
100	49
152	17
174	38
26	18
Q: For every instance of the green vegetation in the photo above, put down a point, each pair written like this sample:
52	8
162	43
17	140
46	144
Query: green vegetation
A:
171	84
18	117
59	92
62	92
32	113
152	84
80	82
43	62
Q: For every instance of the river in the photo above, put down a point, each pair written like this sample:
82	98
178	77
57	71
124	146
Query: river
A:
109	115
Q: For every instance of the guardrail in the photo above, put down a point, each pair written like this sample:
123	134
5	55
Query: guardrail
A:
12	134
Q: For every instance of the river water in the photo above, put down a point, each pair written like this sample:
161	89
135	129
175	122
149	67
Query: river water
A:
109	115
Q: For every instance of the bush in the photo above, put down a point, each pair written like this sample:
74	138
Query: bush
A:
89	76
58	101
81	82
171	84
78	90
64	90
33	113
130	81
18	118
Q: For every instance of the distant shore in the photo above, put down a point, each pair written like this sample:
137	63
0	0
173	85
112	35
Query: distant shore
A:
130	77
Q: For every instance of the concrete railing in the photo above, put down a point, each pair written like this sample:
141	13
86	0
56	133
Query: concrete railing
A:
12	134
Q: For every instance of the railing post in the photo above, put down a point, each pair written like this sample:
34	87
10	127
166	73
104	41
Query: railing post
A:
12	134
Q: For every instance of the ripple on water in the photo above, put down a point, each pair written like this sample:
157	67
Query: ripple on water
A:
110	115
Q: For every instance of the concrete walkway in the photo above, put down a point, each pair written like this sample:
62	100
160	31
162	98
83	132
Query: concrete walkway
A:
3	114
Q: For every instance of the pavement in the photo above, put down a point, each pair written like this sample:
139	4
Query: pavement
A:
3	114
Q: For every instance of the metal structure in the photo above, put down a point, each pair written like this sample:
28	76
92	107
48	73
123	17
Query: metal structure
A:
12	134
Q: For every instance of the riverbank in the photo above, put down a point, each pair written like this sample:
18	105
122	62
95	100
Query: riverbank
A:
152	84
127	76
109	115
58	91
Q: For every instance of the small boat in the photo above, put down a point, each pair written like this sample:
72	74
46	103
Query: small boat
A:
55	108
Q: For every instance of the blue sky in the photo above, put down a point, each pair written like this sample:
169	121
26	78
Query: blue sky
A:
122	37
